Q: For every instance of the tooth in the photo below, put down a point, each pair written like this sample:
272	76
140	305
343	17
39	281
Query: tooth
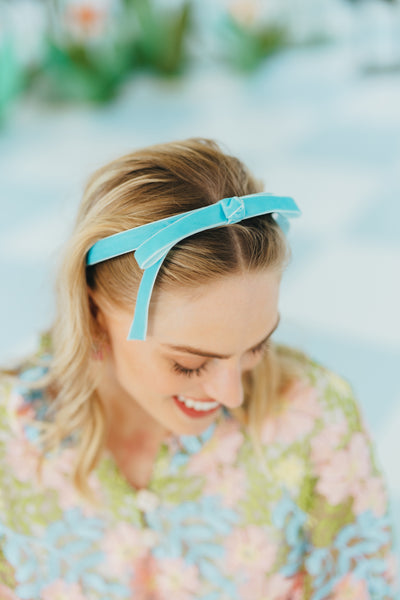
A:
210	405
200	406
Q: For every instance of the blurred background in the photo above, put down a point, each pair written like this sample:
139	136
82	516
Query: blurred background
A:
306	92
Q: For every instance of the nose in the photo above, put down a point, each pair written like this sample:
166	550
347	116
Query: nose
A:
225	384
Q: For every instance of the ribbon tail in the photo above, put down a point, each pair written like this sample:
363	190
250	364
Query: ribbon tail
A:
283	223
139	324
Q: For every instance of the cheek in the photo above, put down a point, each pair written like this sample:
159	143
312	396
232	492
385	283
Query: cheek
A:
129	365
143	372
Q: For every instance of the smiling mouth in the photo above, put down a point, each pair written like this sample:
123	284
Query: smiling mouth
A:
195	408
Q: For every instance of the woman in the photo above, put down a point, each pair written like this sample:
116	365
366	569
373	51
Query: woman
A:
183	455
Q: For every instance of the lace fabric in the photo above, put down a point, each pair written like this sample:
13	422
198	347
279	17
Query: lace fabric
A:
312	525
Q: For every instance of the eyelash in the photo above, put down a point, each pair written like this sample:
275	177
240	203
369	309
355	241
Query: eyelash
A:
189	372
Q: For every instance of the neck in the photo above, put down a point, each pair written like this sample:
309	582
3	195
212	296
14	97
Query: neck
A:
128	423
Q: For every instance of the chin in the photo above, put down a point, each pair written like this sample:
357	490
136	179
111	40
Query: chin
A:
195	428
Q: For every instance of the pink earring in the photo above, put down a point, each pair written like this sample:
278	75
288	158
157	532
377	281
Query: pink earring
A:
97	352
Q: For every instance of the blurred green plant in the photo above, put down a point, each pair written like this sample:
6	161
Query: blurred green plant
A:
10	75
91	47
90	50
85	58
11	71
247	38
160	41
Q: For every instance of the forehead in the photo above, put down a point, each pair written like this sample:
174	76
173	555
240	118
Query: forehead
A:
230	311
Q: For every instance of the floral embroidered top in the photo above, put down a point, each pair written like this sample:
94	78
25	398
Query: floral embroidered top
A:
215	523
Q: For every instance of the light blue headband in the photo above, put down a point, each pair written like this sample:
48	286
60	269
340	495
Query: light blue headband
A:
153	241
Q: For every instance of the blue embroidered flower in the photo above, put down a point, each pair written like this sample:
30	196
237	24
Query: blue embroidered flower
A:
33	397
30	375
355	547
191	444
194	530
288	517
66	549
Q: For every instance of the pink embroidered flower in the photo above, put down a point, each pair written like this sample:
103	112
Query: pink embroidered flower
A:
176	579
392	571
143	582
7	594
230	483
55	468
221	449
370	494
276	587
23	411
297	591
57	475
325	443
350	588
123	545
280	588
22	457
296	416
59	590
250	549
253	586
341	476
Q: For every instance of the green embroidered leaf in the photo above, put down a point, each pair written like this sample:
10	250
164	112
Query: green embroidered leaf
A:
326	520
7	572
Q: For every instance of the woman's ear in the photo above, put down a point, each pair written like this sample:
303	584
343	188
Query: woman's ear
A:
100	339
97	314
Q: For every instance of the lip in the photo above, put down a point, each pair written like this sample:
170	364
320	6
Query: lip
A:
191	412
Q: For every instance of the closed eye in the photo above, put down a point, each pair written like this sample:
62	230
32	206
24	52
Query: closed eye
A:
189	372
177	368
261	347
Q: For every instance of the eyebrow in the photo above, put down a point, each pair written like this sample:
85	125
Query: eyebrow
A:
198	352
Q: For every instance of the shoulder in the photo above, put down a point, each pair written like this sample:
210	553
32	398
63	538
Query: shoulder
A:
7	382
313	399
311	372
23	405
24	390
320	421
320	459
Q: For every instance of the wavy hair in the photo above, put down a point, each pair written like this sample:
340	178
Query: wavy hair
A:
135	189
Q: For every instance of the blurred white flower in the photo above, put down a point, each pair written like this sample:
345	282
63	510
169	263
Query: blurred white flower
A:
89	19
245	12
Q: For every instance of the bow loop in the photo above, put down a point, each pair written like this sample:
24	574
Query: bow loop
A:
234	209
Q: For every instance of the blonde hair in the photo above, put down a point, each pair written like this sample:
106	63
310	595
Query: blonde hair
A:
138	188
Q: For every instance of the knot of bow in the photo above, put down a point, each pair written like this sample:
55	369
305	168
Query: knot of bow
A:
234	209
